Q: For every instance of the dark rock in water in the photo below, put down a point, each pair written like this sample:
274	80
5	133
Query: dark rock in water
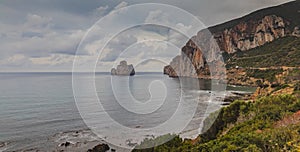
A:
230	99
3	145
100	148
123	69
66	144
113	150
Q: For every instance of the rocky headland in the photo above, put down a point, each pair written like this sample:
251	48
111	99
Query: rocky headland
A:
204	53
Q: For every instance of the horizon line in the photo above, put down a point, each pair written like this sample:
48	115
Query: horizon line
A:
72	72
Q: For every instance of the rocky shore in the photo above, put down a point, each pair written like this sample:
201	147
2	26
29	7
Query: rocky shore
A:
233	96
81	140
70	141
3	146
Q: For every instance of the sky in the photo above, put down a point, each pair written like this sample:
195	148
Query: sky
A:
48	35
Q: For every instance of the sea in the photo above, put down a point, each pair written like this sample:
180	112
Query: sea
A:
36	107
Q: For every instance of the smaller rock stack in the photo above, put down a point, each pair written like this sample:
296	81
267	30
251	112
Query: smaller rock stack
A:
123	69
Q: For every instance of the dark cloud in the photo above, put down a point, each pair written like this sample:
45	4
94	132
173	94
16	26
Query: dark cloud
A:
72	6
217	11
31	34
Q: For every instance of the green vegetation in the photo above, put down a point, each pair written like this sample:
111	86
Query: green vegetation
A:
293	75
297	87
268	74
282	52
280	87
245	126
257	129
175	143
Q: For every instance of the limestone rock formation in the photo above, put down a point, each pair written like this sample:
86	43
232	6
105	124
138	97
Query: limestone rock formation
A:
123	69
242	34
251	34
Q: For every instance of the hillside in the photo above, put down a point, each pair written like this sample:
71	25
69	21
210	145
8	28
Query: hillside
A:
257	30
269	124
282	52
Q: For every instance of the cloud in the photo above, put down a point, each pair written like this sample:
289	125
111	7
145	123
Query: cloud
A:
36	44
52	42
151	65
101	11
53	60
15	60
121	5
158	16
117	45
36	21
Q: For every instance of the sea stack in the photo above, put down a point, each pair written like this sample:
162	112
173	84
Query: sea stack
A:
123	69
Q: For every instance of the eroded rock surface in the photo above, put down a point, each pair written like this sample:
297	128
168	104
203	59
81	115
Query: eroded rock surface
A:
251	31
123	69
206	48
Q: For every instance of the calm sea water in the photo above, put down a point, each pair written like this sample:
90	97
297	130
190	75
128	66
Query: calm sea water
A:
35	106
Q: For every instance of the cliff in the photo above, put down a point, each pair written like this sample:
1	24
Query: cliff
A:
251	31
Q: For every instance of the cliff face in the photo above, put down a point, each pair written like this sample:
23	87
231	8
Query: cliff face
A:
248	35
241	37
242	34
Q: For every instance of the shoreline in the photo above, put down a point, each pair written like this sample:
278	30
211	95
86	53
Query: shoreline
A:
68	141
221	81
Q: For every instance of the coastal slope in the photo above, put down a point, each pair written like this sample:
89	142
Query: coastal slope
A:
239	35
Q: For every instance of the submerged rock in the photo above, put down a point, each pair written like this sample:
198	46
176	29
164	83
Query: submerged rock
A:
123	69
100	148
3	146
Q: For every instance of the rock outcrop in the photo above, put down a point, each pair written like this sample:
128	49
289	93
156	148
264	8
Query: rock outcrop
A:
251	34
123	69
204	51
296	32
194	61
100	148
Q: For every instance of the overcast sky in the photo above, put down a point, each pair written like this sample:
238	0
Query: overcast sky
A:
44	35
